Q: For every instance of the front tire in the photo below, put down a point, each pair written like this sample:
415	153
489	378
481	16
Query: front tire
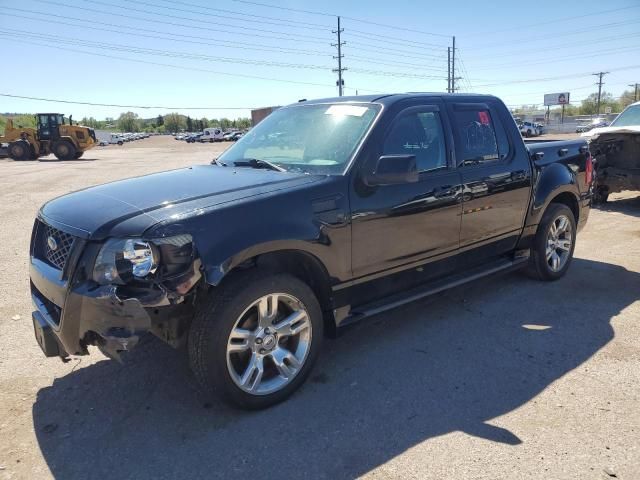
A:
255	339
554	243
64	150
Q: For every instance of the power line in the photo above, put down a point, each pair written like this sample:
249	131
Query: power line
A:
120	106
563	34
559	77
395	41
591	54
197	20
174	24
165	53
286	8
211	42
345	17
208	8
564	19
395	51
179	67
173	54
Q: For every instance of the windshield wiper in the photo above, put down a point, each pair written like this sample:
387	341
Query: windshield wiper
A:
258	163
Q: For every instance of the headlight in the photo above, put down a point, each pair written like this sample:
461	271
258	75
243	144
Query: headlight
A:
123	260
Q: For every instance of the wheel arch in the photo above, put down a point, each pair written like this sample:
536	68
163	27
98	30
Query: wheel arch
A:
297	262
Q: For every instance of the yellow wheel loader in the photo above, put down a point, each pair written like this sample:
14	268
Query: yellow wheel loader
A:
52	135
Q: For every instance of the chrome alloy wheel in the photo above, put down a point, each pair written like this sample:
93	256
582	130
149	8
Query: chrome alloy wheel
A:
559	240
269	344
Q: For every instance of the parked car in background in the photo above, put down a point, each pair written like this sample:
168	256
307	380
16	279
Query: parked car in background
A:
616	149
211	135
529	129
229	136
595	123
251	260
193	138
116	139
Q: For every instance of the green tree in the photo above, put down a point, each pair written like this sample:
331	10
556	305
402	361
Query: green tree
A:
627	98
205	123
189	124
26	121
244	122
174	122
225	123
160	121
589	105
128	122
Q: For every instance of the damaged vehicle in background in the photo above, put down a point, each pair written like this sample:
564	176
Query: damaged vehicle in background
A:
616	149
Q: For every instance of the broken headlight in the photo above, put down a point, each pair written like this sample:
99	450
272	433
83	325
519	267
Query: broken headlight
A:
123	260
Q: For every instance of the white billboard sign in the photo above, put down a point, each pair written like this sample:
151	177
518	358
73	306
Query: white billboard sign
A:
556	99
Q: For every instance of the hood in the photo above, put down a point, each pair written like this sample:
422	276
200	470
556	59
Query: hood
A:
142	202
598	131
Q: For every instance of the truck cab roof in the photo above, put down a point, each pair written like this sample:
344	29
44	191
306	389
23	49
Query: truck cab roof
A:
389	99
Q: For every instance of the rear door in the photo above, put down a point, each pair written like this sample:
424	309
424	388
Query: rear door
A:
496	178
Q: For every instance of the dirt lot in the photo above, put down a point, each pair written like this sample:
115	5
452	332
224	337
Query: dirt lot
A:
506	378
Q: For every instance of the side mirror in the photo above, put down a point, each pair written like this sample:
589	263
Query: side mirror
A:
393	170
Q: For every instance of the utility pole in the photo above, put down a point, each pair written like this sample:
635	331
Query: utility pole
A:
339	70
635	95
453	66
600	82
448	69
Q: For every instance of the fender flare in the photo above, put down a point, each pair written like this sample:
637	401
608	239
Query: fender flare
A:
215	272
554	180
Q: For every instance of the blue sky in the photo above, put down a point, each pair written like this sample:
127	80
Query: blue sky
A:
192	53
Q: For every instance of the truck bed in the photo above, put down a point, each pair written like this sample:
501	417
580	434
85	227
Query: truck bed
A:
563	151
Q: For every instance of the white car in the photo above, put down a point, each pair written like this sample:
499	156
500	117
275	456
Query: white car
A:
211	135
116	139
528	129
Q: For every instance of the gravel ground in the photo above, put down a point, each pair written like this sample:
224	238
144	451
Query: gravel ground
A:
505	378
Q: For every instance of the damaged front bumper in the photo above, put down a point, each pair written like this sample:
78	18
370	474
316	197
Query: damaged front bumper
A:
73	312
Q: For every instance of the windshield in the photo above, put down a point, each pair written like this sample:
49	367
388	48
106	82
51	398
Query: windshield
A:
630	117
308	138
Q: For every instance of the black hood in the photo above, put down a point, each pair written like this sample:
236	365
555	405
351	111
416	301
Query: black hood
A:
144	201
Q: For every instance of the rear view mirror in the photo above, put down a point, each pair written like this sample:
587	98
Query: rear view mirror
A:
393	170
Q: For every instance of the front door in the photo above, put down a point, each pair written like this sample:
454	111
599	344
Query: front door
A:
395	227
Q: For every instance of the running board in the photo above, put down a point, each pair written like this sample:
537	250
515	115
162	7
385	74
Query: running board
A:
393	301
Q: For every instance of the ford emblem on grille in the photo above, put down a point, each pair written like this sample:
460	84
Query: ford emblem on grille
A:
52	243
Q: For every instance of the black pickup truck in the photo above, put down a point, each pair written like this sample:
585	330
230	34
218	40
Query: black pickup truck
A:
327	212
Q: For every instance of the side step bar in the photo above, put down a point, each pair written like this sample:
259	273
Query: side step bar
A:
393	301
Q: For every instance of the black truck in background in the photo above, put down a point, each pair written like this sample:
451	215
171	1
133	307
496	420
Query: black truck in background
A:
327	212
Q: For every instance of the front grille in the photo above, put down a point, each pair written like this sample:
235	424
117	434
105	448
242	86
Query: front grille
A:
56	245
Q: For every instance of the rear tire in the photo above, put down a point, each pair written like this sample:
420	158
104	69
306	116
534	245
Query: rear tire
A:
270	362
20	150
554	243
64	150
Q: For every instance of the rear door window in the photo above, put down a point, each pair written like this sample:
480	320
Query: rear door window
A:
479	137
